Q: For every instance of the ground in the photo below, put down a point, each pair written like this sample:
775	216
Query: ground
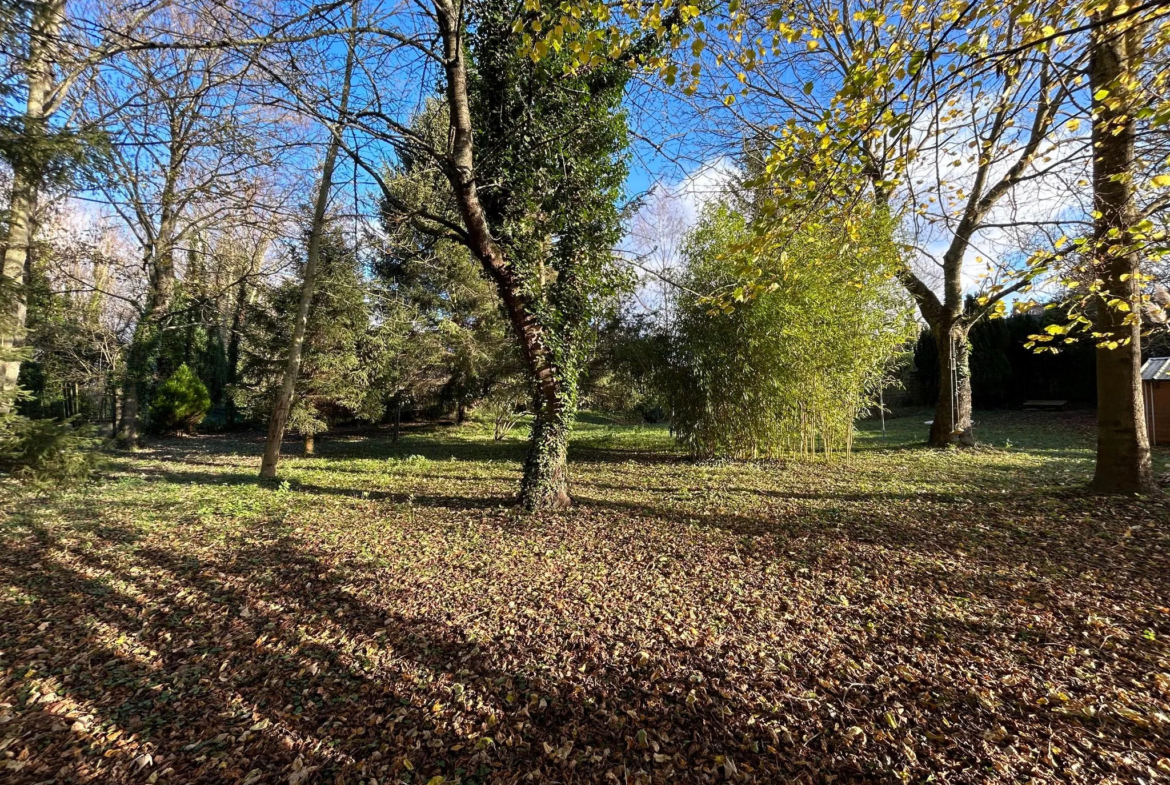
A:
384	615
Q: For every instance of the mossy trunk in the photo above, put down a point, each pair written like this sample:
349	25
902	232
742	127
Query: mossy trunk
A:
545	485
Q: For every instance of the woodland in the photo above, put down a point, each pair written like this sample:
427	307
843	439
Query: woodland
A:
621	392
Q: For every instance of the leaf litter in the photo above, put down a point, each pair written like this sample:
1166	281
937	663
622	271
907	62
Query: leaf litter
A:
899	616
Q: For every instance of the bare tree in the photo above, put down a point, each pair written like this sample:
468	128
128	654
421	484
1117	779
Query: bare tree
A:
187	157
51	62
283	404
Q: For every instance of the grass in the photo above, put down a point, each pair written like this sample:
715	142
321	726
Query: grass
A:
384	615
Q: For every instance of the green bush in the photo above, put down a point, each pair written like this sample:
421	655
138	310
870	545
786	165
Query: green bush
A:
791	368
52	453
180	403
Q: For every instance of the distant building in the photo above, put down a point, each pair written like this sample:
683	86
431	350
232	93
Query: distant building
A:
1156	393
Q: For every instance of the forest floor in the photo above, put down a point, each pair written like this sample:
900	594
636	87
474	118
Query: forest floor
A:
383	615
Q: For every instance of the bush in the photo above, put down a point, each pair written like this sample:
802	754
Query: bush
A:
180	403
51	453
504	406
790	368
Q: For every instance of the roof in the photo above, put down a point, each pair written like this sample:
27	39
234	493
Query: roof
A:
1156	369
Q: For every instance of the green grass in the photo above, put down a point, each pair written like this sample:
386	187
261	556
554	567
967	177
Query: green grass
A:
384	613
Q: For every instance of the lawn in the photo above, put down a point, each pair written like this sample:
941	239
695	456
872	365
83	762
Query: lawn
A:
383	615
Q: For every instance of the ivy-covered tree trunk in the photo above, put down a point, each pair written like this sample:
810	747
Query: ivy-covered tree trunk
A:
1123	445
952	413
546	470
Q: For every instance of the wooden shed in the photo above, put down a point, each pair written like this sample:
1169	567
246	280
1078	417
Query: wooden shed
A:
1156	392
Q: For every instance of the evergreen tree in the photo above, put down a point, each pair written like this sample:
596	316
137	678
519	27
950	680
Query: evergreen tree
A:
346	355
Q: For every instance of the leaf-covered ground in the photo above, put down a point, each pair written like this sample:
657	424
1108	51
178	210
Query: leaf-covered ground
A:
384	616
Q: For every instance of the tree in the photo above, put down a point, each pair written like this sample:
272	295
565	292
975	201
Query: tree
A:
187	159
1123	447
537	210
347	351
76	319
48	66
283	404
463	341
877	103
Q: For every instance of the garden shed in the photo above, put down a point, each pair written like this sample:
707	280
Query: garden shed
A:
1156	393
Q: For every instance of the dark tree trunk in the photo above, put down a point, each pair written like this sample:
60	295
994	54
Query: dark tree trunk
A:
139	368
1123	446
952	414
233	353
397	420
310	445
138	371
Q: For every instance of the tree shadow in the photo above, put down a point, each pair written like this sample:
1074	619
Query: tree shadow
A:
273	655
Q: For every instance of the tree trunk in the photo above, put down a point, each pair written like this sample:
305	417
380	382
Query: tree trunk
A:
27	174
139	371
397	420
310	445
15	254
292	368
233	352
546	473
952	414
1123	446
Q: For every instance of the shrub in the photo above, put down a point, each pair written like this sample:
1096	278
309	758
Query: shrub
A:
51	453
180	403
792	367
504	405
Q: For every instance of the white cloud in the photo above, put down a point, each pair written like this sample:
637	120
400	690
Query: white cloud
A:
656	233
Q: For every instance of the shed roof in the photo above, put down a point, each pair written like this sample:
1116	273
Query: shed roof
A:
1156	369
